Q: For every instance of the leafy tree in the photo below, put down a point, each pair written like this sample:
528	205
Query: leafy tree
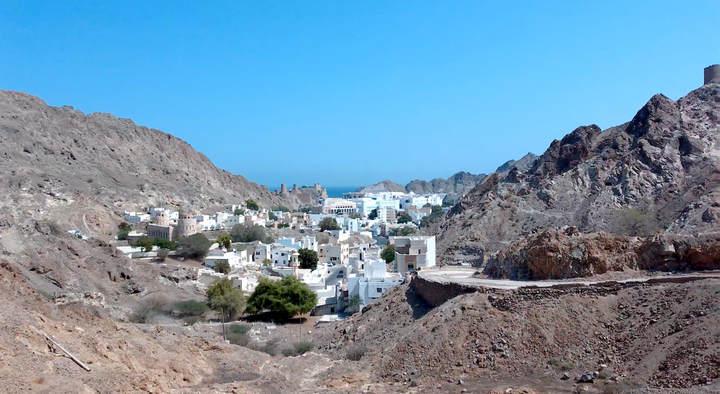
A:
404	218
355	215
388	253
405	231
225	240
223	297
267	263
355	302
286	298
146	243
373	214
252	204
247	233
222	267
162	254
124	226
122	235
272	216
239	212
281	209
190	308
308	259
195	246
328	224
306	210
163	243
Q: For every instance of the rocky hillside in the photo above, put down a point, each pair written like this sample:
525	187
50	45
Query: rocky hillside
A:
59	162
523	164
657	173
455	187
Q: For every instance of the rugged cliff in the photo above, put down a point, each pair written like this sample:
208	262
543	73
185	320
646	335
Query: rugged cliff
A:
60	162
657	173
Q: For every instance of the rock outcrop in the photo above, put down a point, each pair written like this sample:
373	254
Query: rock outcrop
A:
659	172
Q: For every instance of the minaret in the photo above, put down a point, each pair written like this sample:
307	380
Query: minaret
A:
295	263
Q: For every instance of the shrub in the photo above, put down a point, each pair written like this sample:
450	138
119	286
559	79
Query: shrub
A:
303	347
404	218
195	246
190	308
240	329
123	235
245	233
290	352
124	227
270	347
568	366
388	253
190	320
355	353
222	267
329	224
238	339
634	222
150	307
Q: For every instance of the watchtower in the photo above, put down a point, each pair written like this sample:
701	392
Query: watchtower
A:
186	225
712	74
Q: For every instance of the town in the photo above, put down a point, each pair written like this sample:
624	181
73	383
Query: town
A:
348	250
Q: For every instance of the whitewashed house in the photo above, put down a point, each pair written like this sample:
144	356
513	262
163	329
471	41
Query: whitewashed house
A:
413	253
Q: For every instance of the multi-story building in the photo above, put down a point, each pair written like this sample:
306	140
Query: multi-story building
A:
338	253
262	252
413	253
374	282
338	206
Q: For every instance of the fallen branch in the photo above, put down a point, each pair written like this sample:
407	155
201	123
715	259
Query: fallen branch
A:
78	362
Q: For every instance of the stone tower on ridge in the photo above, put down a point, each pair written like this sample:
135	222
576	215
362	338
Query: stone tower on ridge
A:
712	74
187	225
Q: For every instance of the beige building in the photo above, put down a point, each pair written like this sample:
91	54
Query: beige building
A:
163	228
413	253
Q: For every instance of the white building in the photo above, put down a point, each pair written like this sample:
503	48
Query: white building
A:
171	215
373	283
289	242
338	206
263	252
309	242
338	254
281	255
413	253
236	259
136	217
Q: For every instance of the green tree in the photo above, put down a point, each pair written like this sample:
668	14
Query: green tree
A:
123	235
267	263
162	254
373	214
225	240
223	297
402	232
355	215
354	303
239	212
286	298
252	204
388	253
281	209
404	218
272	216
195	246
124	227
246	233
329	224
308	259
145	243
222	267
163	243
189	308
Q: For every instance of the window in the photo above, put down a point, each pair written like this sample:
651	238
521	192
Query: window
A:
275	261
282	254
332	309
379	289
341	274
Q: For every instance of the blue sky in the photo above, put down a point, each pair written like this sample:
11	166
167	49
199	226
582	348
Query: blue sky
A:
350	93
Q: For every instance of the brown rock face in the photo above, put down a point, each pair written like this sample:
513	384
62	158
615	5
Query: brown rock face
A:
555	254
658	172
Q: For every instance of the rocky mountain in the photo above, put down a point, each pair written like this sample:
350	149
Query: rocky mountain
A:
455	186
383	186
658	172
523	164
63	164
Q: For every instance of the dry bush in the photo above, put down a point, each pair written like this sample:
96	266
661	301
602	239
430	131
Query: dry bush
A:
150	307
355	353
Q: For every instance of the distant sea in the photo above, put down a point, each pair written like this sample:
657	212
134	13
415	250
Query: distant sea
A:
333	191
337	191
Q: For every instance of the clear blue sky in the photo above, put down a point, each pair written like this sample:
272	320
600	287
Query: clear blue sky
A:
350	93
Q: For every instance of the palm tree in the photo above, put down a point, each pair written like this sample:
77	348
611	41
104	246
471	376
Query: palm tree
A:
355	302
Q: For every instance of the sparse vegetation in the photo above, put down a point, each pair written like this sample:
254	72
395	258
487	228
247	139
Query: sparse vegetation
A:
355	353
222	267
272	216
190	310
404	218
402	232
150	307
298	349
634	222
239	329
